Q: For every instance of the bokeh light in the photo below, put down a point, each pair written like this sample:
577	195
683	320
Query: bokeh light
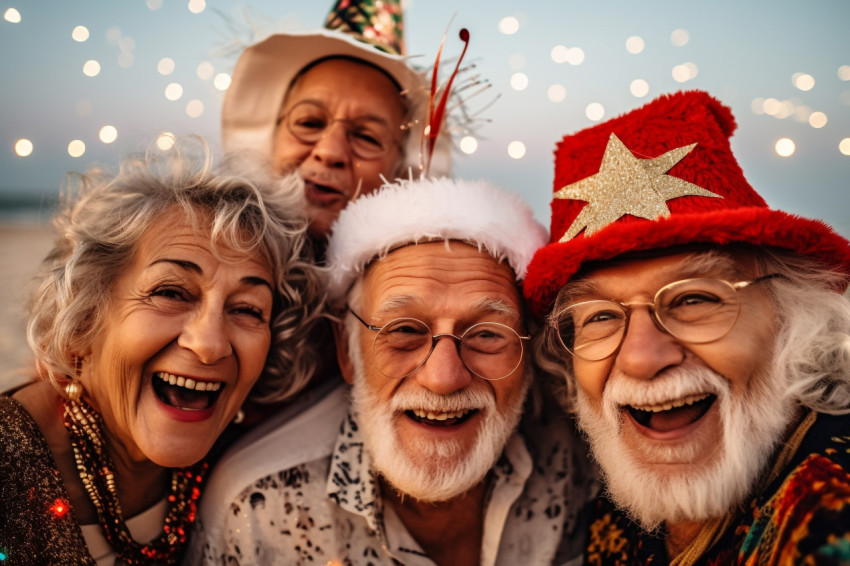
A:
785	147
516	149
165	66
23	147
559	54
126	60
844	146
205	71
91	68
519	81
594	111
575	55
509	25
685	72
195	108
221	81
154	5
639	88
197	6
557	93
80	34
108	134
817	120
803	81
634	44
844	72
76	148
165	141
12	16
680	37
173	91
468	145
113	35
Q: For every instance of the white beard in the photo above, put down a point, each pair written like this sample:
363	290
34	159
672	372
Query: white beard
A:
752	425
431	470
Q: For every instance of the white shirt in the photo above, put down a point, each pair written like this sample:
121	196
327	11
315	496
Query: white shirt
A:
314	499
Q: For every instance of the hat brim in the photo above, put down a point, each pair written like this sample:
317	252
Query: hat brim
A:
266	70
554	264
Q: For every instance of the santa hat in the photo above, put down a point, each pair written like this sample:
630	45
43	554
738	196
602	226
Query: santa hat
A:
425	210
660	176
361	29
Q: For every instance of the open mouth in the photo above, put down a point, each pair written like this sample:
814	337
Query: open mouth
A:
440	419
184	393
672	415
323	189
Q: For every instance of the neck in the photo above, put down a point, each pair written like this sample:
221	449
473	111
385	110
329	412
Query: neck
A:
680	536
450	532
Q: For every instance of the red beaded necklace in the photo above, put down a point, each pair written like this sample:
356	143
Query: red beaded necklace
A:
96	470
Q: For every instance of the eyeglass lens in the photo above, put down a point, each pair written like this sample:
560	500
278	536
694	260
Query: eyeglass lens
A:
694	310
489	350
369	137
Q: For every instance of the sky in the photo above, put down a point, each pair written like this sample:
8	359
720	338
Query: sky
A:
86	82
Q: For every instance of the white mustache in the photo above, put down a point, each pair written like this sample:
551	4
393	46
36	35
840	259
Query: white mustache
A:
674	384
464	400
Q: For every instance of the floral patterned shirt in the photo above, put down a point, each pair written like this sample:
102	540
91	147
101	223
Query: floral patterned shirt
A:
801	516
329	510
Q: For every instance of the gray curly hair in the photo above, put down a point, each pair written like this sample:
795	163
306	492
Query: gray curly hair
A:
102	217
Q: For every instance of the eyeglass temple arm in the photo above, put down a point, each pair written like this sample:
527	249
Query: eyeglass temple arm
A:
363	322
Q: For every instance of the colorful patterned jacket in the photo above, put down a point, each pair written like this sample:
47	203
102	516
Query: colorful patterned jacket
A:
801	516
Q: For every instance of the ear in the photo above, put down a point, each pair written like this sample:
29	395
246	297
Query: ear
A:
342	357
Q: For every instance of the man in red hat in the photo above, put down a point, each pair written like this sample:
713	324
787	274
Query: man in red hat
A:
341	106
705	343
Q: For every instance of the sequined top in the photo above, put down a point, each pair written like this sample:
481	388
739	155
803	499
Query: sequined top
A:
328	509
800	516
37	524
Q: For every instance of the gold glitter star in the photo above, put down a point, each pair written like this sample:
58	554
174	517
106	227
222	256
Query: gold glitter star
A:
626	184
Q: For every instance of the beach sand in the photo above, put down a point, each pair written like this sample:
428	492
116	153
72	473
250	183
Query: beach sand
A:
23	244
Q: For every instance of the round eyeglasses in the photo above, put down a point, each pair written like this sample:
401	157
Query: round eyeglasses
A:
490	350
369	137
696	311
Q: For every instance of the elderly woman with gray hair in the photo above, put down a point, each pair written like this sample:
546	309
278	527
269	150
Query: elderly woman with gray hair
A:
173	292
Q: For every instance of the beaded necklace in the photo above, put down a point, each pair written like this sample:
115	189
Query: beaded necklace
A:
96	470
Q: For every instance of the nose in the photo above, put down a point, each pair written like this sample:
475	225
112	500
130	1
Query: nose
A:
333	148
205	334
444	372
646	349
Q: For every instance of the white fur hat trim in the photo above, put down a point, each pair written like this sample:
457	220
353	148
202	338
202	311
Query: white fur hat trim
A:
477	212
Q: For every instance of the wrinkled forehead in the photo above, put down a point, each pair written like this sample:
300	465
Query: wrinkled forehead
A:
445	271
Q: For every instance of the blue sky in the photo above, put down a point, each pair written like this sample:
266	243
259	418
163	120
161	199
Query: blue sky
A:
743	52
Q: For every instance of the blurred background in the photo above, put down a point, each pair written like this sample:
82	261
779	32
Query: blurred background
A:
85	83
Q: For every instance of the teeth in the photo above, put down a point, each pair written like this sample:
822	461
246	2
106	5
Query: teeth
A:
181	381
422	414
667	405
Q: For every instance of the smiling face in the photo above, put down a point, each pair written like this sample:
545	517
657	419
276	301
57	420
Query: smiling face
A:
681	430
333	173
185	339
436	433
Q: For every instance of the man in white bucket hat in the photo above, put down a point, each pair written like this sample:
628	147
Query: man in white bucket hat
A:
342	106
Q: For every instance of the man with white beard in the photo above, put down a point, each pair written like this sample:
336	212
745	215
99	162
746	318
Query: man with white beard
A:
446	450
704	342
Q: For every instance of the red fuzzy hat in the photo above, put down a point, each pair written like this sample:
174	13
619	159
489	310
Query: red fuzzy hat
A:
660	176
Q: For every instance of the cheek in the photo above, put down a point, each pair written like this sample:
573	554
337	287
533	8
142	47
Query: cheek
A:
287	153
253	351
591	377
